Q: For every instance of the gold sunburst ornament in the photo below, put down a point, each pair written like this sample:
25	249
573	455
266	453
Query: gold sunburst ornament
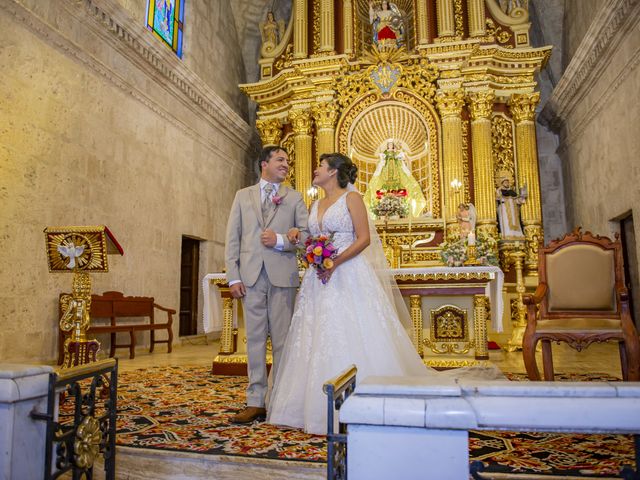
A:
72	249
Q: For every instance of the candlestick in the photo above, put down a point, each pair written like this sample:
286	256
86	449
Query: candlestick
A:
471	238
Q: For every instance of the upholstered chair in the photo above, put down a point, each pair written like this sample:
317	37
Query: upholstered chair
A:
581	298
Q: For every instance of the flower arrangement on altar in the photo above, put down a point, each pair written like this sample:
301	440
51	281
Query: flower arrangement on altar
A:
391	203
455	254
318	252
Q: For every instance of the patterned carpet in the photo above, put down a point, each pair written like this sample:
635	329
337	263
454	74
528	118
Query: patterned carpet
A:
188	409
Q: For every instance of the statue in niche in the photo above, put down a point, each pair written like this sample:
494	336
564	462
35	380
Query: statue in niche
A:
393	176
387	24
508	206
272	32
466	216
508	6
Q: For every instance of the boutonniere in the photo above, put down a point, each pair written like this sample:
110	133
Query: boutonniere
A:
276	199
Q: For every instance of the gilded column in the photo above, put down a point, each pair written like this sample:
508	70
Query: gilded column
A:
347	26
417	322
477	18
481	312
300	40
422	22
302	141
327	28
446	18
450	103
523	111
226	337
270	131
325	115
481	107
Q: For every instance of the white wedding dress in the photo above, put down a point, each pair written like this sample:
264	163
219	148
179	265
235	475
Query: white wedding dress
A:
350	320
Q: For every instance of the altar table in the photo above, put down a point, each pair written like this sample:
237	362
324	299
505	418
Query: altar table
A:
450	336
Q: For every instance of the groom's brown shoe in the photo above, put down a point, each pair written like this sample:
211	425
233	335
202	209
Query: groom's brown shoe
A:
249	414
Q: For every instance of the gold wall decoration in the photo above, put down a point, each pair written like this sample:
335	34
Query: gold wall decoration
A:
289	145
459	18
315	27
502	145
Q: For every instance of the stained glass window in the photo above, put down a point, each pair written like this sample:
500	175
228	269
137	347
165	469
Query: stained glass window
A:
165	19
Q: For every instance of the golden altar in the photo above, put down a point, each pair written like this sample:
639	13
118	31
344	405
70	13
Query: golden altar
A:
451	310
450	83
449	88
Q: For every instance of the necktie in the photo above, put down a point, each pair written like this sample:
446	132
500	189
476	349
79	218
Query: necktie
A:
266	202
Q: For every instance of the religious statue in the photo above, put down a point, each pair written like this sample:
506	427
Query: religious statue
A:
466	216
508	206
387	23
272	32
392	176
508	6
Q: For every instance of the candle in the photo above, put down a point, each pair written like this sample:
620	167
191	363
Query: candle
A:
471	238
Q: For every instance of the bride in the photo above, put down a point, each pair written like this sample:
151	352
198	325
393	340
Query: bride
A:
349	314
350	319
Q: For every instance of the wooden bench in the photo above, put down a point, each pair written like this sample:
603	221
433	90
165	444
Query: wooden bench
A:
114	306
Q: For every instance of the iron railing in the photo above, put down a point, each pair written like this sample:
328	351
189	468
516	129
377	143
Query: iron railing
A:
81	420
338	390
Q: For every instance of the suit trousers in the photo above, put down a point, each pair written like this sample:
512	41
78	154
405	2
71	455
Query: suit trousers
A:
267	310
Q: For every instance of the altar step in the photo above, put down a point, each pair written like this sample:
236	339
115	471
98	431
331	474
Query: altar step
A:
146	464
141	464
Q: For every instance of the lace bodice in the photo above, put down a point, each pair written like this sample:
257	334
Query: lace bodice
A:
336	221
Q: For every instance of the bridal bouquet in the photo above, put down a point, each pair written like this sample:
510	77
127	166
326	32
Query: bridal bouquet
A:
319	252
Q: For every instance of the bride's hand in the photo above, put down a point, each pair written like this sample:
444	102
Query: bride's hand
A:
293	235
325	275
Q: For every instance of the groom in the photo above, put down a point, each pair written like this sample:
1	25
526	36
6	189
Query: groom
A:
262	268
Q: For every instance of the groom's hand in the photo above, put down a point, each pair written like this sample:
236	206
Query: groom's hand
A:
269	238
237	290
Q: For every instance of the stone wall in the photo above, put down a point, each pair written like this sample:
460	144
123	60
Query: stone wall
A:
102	124
578	17
594	107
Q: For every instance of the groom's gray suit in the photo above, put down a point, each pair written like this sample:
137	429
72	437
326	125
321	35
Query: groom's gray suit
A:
269	275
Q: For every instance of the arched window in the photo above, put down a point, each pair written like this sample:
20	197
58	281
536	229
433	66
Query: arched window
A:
165	19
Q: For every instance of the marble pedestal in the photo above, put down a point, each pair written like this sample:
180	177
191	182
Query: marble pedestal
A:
23	389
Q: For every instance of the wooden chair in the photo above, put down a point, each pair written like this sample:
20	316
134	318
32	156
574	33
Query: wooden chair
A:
581	298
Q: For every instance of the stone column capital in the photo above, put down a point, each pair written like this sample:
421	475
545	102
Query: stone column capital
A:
450	102
300	119
481	104
523	106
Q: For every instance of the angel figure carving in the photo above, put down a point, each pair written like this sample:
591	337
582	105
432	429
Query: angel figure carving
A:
507	6
272	32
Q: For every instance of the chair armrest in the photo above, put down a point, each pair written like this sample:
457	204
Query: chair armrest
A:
622	293
537	297
164	309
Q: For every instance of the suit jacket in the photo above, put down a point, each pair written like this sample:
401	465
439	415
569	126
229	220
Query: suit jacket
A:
244	253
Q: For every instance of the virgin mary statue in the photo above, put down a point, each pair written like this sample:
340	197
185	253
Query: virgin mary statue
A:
392	176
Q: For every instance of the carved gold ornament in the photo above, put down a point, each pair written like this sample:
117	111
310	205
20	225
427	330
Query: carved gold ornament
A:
87	444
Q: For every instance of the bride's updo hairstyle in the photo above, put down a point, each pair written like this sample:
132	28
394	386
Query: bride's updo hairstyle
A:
347	171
